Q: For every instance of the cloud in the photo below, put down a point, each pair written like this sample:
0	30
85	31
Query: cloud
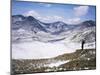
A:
59	18
48	5
51	18
45	4
32	13
73	21
81	10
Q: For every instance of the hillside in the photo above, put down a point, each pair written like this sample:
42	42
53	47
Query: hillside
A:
79	60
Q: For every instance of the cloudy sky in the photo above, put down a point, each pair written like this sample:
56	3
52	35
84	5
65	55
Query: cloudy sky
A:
48	12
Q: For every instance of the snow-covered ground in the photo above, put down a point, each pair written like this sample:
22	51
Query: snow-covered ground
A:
38	50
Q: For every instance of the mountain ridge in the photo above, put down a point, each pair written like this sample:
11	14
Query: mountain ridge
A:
48	31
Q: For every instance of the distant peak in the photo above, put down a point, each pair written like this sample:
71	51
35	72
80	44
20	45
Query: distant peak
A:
30	18
89	23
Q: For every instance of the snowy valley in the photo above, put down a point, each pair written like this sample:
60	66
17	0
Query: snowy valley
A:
48	47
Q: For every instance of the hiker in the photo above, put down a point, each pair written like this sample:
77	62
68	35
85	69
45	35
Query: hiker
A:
82	46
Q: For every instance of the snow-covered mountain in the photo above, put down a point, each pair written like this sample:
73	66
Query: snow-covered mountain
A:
32	24
36	39
29	28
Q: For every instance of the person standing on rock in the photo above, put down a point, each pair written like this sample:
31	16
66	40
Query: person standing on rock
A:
83	42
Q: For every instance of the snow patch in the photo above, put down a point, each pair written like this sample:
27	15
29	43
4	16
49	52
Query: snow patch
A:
57	63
